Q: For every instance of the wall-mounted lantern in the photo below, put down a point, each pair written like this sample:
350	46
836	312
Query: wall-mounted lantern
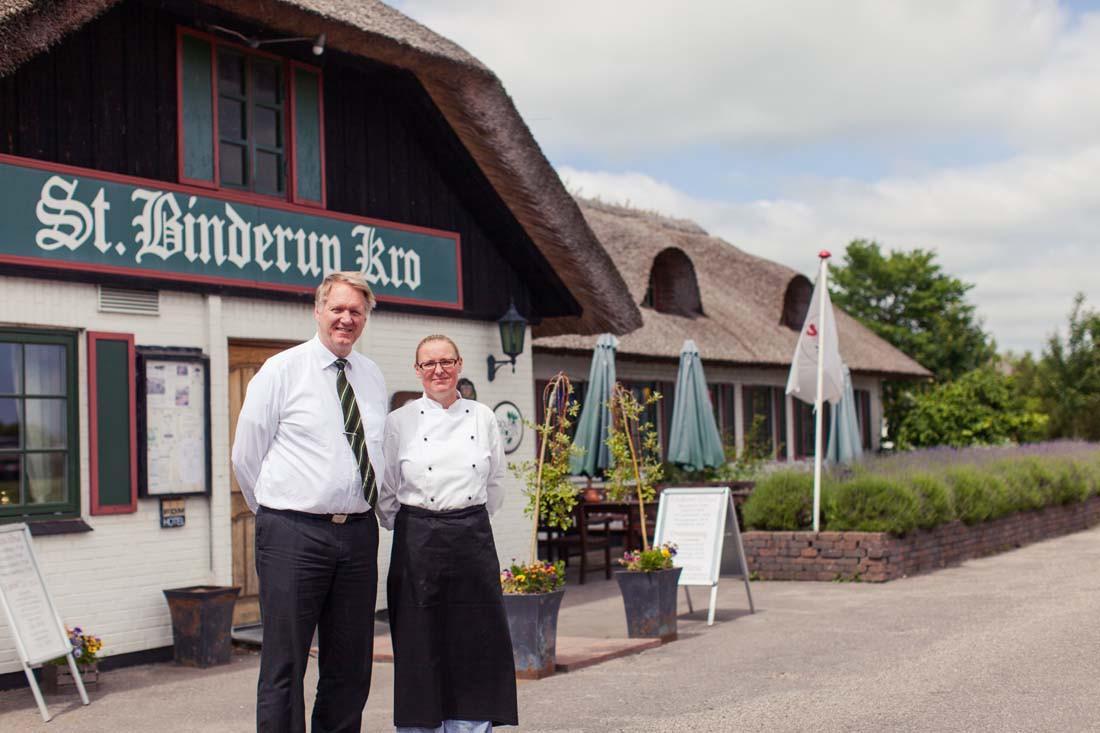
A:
513	328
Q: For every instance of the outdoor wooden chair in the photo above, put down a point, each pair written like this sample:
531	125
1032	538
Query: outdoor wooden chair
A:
588	534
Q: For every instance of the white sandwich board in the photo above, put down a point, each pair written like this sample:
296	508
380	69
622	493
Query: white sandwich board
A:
698	520
35	624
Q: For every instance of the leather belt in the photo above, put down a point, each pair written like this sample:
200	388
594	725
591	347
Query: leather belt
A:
334	518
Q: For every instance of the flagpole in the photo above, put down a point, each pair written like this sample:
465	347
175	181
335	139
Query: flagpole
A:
822	283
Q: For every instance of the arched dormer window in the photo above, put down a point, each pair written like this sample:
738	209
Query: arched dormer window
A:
672	285
796	302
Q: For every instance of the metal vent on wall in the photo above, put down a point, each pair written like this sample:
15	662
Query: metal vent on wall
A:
123	300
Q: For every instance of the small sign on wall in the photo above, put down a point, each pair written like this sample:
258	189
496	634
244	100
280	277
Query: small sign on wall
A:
173	512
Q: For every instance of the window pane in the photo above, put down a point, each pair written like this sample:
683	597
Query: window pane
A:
265	127
230	119
230	73
232	162
45	369
46	424
10	471
11	368
45	478
269	172
265	83
9	423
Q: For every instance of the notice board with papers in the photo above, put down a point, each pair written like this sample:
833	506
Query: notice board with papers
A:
173	422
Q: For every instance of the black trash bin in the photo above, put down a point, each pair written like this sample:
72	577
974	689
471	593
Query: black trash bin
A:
202	623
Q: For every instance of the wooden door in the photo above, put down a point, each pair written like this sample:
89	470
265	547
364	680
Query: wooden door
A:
245	359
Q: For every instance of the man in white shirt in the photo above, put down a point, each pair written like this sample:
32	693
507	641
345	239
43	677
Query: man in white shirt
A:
306	453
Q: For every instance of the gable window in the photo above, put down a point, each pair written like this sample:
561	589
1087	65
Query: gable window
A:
796	302
672	285
248	121
39	474
251	123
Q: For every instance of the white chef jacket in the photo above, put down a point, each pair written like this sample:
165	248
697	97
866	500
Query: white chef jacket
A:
441	458
290	450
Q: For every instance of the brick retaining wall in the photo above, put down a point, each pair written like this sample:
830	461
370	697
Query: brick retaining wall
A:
878	556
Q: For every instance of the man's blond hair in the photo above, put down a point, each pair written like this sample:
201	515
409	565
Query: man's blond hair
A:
351	279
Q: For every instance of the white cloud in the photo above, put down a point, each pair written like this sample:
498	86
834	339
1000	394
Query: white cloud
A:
616	76
813	100
1026	232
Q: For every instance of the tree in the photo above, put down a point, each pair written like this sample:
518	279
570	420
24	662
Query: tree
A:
908	300
982	407
1067	376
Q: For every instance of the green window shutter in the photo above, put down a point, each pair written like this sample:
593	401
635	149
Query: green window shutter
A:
308	141
196	114
111	415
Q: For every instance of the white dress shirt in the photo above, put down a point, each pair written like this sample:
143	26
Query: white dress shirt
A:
441	458
290	450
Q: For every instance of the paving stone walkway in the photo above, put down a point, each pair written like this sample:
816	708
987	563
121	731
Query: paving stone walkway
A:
1004	643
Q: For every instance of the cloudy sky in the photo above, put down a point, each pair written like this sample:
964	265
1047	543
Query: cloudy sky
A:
969	128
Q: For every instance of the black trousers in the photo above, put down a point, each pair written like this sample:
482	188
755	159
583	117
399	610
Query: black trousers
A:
315	574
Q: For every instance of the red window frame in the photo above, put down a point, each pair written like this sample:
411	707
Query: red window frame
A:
290	147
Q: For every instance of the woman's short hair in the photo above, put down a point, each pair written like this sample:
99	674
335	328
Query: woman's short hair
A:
435	337
352	279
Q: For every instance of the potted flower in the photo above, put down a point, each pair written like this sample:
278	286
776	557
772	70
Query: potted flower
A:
649	583
86	647
533	590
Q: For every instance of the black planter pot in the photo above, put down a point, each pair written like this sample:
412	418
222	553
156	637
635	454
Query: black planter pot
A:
650	603
533	624
202	623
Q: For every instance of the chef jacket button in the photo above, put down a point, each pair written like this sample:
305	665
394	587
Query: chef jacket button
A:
467	412
471	437
473	465
469	498
429	468
425	439
421	412
433	498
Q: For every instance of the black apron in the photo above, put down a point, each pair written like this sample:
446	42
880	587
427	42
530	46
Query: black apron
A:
452	655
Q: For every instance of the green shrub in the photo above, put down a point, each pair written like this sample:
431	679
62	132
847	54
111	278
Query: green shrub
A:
872	504
1024	484
1070	483
1004	501
1091	467
782	501
973	495
934	501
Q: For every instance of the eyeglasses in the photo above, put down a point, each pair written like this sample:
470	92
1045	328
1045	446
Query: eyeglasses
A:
444	364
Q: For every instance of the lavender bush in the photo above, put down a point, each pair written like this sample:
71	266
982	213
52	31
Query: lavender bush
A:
926	488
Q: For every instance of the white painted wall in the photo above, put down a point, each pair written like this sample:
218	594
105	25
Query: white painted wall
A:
109	581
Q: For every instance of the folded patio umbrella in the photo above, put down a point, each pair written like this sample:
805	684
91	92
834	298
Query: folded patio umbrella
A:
694	441
845	439
595	418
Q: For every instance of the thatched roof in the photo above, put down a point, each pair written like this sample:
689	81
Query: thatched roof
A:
467	93
742	299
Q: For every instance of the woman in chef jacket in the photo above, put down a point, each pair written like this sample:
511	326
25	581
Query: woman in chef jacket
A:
453	668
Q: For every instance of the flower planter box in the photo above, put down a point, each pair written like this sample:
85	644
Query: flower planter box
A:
202	624
650	603
57	679
533	625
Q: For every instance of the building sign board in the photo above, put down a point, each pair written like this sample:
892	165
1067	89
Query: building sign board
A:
72	218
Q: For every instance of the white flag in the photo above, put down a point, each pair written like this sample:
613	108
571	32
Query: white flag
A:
803	380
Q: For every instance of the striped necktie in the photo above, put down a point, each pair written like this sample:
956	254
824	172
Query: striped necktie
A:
353	431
